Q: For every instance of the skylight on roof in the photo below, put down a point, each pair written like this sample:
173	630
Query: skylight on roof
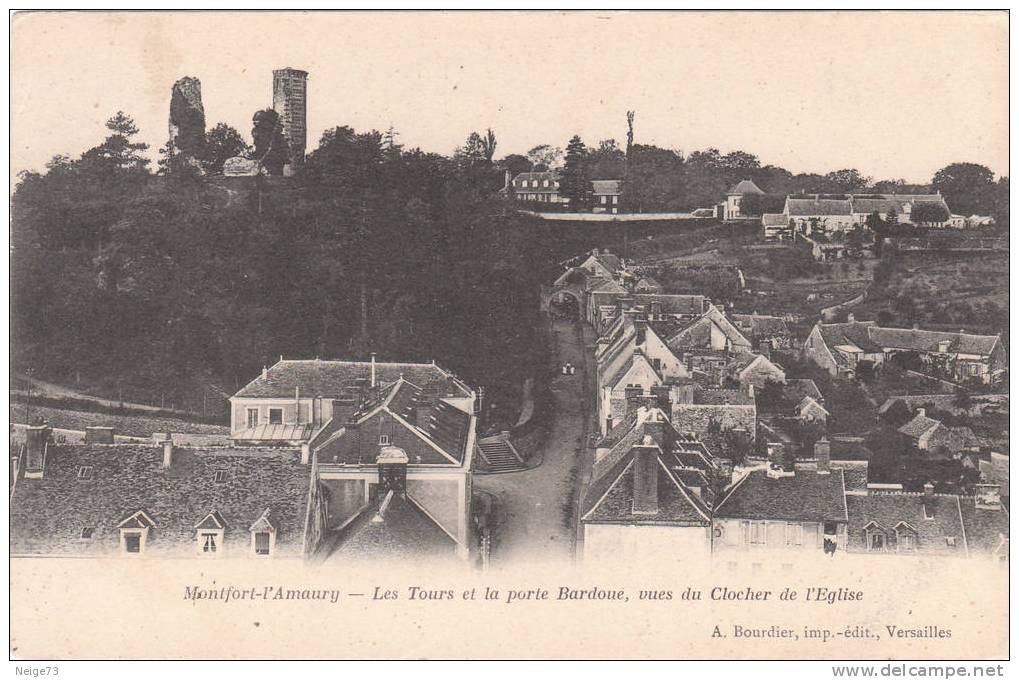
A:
219	477
85	473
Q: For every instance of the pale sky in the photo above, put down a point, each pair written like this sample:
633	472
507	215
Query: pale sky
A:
894	94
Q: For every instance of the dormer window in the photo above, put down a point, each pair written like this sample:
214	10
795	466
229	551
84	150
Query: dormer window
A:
950	541
85	473
134	533
544	183
905	537
874	537
384	440
263	535
87	533
219	477
209	535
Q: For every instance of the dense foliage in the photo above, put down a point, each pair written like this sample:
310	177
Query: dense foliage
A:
146	285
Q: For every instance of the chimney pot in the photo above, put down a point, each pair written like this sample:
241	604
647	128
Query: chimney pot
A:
265	372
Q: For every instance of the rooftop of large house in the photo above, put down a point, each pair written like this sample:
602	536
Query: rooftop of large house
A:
607	187
429	430
919	426
869	337
805	496
681	468
396	528
88	492
746	186
761	326
805	207
338	379
720	397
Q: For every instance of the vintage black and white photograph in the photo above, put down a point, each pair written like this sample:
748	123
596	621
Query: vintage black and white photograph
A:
583	334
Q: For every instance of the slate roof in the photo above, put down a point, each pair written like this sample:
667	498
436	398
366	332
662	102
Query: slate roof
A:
849	333
609	498
683	305
796	389
761	326
337	379
804	497
404	532
717	397
47	515
984	527
747	186
807	207
610	261
934	519
775	220
927	341
918	426
430	431
606	187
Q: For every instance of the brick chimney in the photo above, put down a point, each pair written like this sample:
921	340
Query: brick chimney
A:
928	489
645	480
373	370
167	452
921	411
822	452
265	372
37	439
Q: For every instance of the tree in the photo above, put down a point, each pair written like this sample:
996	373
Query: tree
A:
516	164
119	151
654	179
222	143
544	157
967	187
929	213
846	181
607	161
574	183
271	149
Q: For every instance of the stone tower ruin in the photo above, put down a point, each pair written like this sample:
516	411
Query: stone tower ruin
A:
290	101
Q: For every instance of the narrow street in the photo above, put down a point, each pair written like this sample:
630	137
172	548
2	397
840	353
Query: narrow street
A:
537	507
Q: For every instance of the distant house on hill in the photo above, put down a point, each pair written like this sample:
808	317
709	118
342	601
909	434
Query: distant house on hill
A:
839	348
606	195
733	206
540	187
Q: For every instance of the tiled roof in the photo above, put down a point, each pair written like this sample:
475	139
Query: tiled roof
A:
806	207
337	379
430	431
610	497
918	426
795	389
927	341
48	514
933	519
717	397
404	531
985	527
761	326
606	187
850	333
684	305
803	497
747	186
